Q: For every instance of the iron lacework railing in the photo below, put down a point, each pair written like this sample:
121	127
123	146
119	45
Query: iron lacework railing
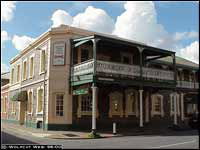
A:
120	69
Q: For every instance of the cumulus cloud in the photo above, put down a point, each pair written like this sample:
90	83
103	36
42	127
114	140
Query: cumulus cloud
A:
61	17
94	19
21	42
139	22
4	37
185	35
91	19
7	8
4	68
191	52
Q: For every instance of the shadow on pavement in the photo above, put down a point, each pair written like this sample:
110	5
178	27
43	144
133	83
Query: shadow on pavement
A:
11	139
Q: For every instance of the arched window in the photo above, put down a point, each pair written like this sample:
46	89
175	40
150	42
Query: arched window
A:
115	104
40	95
30	101
131	102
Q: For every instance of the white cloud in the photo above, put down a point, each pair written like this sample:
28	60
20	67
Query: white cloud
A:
21	42
61	17
92	19
4	68
191	52
4	37
139	22
7	8
185	35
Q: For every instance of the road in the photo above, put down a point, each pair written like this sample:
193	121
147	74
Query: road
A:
184	141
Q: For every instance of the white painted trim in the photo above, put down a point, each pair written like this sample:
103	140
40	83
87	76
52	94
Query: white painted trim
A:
128	111
40	71
55	94
177	104
38	81
30	90
41	112
32	56
25	60
153	112
19	73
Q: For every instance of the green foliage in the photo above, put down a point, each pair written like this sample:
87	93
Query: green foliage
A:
94	135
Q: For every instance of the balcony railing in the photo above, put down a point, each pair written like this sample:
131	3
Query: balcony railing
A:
187	84
121	69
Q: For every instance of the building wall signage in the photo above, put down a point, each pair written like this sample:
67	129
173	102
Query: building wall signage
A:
80	91
59	53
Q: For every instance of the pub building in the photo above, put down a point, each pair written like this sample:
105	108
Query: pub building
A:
70	78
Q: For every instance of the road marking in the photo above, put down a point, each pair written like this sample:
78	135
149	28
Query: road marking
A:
174	144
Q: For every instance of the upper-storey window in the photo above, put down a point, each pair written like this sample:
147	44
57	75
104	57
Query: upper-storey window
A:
31	67
84	54
12	76
126	58
25	70
42	61
18	73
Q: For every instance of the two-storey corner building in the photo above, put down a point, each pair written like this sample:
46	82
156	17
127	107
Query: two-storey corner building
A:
74	78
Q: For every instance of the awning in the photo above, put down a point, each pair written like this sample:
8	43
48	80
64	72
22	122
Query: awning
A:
20	96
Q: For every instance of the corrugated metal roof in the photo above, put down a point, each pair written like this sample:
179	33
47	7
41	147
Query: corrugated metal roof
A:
179	61
5	75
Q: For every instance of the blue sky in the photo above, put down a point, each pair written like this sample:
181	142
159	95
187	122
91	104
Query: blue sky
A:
179	21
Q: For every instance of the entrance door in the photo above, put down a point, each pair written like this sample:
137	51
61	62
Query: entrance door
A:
22	112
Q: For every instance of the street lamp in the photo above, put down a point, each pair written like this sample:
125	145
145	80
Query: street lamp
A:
43	126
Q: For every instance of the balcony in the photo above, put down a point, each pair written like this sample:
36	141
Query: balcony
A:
187	84
112	69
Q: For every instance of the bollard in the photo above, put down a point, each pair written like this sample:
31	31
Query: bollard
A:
114	128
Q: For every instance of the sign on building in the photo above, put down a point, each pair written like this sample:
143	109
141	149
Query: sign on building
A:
80	91
59	54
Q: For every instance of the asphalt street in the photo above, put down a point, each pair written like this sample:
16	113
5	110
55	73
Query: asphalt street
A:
182	141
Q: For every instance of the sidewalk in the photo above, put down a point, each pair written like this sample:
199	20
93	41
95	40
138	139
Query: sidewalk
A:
21	129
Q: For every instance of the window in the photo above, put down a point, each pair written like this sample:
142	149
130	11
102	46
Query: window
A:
86	103
24	70
42	61
5	104
12	76
18	73
59	104
31	67
40	100
157	105
126	58
30	101
84	55
172	104
12	107
131	103
116	104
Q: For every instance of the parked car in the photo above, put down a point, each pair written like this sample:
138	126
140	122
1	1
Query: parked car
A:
193	121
